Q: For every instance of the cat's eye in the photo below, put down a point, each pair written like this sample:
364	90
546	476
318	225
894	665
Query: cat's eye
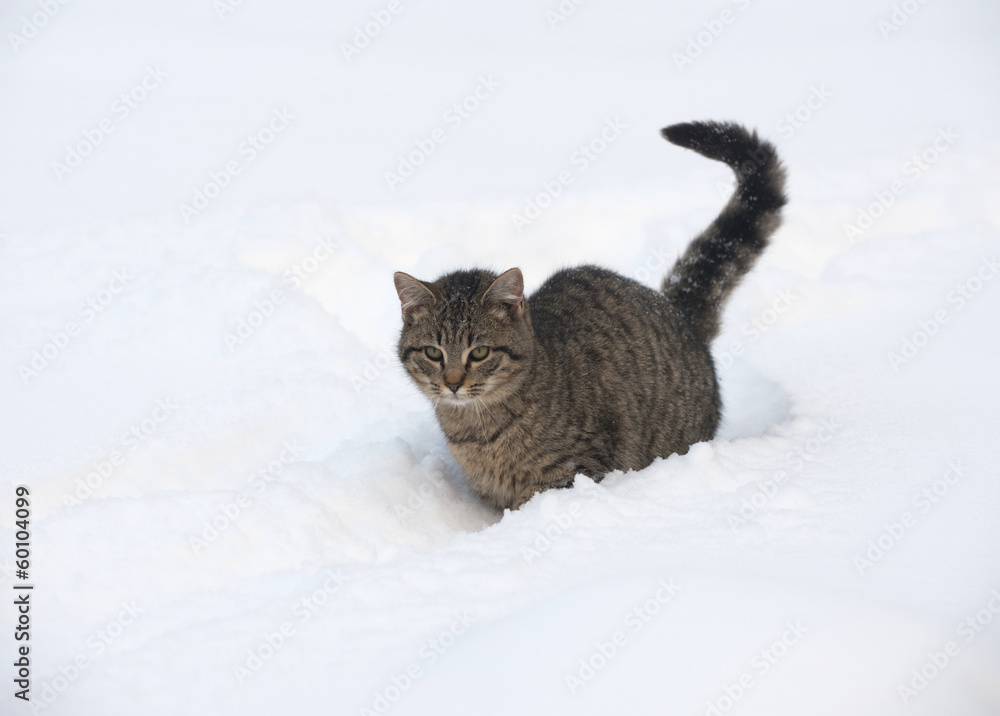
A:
433	353
479	352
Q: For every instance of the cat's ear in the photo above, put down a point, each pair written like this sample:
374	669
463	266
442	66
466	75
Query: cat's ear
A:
413	295
508	291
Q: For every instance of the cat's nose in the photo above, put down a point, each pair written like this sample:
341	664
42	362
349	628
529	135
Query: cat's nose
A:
453	379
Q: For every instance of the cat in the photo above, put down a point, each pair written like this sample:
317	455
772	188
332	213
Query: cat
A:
593	372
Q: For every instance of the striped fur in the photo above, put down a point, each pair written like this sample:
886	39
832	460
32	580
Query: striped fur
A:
593	372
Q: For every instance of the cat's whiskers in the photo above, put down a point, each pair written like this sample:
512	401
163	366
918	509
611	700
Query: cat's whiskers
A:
481	423
487	409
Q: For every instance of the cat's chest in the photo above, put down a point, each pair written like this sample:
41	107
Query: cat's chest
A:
507	453
508	446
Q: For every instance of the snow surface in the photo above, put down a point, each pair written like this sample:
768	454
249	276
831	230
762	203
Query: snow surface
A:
350	569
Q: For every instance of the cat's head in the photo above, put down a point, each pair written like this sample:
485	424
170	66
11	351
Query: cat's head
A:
466	336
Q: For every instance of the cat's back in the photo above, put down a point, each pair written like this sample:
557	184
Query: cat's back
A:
583	301
620	357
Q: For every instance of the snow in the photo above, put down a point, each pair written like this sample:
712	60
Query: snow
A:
273	521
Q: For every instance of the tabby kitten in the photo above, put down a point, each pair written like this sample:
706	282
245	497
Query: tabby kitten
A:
593	372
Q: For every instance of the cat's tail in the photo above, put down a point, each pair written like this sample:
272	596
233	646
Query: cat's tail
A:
717	259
